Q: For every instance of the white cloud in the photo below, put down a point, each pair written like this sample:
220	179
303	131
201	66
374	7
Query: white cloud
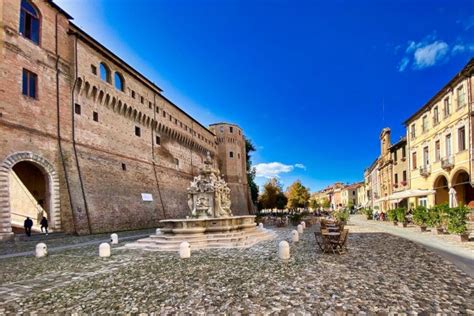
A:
430	54
274	169
426	53
462	48
403	64
300	165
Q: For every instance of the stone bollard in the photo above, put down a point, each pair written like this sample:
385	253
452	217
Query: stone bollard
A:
104	250
114	239
158	231
303	223
295	236
184	250
41	250
260	225
299	228
284	250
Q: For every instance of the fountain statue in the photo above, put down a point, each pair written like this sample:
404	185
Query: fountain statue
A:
209	195
211	224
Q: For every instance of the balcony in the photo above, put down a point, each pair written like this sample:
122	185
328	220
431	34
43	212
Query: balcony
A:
447	163
425	171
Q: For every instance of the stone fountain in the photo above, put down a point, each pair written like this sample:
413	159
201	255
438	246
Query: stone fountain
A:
211	223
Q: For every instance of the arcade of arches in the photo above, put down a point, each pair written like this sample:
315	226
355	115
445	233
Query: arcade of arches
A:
460	182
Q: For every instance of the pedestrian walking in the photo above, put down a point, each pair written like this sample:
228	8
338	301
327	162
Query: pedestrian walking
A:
28	224
44	224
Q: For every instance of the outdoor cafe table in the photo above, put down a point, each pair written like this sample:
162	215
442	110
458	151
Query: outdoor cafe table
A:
332	235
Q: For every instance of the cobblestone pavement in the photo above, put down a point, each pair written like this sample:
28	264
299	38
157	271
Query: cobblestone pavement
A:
58	240
381	274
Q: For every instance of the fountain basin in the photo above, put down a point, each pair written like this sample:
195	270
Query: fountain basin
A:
207	225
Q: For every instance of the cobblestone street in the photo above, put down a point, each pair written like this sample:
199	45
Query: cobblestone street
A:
380	273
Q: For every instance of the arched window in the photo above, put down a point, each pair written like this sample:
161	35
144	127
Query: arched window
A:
29	21
118	81
105	72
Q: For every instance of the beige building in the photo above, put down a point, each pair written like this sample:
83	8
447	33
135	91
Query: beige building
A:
439	138
385	168
400	174
349	195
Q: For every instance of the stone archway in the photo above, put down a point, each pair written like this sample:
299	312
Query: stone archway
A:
441	187
462	184
53	189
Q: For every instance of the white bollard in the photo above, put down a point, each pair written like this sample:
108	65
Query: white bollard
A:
295	236
158	231
184	250
284	250
41	250
260	225
114	239
299	228
104	250
303	224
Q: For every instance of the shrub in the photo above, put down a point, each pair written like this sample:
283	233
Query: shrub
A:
420	215
368	213
296	218
457	220
392	215
342	215
401	214
437	215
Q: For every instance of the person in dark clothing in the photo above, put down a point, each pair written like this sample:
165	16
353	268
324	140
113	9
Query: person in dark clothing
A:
44	224
28	224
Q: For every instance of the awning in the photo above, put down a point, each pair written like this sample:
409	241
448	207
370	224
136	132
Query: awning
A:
398	196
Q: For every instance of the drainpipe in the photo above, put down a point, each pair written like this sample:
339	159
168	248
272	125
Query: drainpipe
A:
74	135
58	125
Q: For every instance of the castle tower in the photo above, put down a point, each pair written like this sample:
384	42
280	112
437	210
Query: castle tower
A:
232	164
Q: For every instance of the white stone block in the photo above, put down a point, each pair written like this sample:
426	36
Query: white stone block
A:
184	250
260	225
295	236
303	224
114	239
41	250
158	231
299	228
104	250
284	250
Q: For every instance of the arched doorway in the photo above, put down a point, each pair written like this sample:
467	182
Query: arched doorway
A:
27	179
442	190
462	184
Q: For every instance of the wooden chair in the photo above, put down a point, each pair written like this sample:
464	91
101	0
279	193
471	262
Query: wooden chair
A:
323	242
340	244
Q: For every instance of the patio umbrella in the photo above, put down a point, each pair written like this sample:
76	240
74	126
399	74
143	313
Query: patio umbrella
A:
453	201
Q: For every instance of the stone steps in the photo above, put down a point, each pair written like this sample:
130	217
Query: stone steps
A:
171	242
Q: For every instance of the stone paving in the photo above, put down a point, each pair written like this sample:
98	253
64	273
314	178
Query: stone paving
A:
381	274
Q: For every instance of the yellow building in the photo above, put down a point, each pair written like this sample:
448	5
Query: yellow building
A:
439	140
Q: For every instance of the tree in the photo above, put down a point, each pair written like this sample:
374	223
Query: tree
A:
282	200
298	195
325	203
313	203
272	194
249	147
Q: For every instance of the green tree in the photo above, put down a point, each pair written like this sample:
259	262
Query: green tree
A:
298	195
313	203
271	196
249	148
325	203
282	200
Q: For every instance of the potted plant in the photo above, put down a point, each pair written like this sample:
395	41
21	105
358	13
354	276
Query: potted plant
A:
420	217
437	217
295	218
457	222
392	216
342	216
368	213
401	214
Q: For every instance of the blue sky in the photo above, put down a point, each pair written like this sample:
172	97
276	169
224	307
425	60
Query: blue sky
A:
312	83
